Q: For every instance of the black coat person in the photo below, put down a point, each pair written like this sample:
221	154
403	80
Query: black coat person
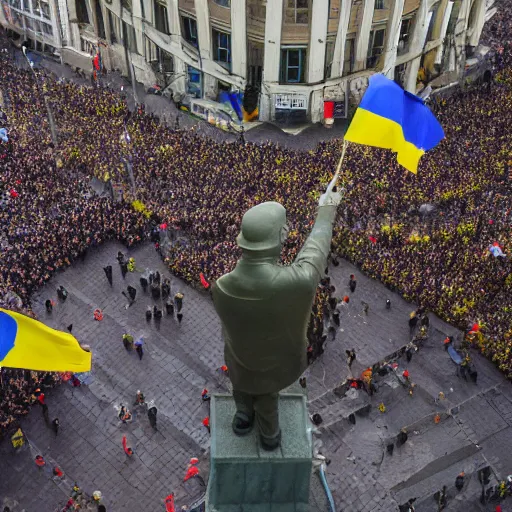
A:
166	289
152	416
178	300
132	292
144	284
48	305
155	290
62	293
108	273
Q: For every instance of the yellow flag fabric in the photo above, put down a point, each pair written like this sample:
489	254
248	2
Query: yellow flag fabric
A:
30	344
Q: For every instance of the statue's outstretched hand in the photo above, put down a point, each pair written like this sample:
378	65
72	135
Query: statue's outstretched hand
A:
332	197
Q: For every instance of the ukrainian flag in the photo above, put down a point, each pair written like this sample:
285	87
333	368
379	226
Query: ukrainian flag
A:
29	344
391	118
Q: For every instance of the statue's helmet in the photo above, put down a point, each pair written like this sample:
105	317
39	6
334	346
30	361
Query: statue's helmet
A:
263	227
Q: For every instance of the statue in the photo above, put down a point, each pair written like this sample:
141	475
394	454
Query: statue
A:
265	308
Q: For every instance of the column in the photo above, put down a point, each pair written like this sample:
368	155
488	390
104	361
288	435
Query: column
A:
478	25
272	55
174	20
417	43
341	36
56	26
317	41
180	68
442	33
273	25
460	36
137	25
363	35
239	38
392	37
204	32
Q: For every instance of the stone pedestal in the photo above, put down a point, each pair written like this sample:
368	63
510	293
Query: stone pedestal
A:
246	478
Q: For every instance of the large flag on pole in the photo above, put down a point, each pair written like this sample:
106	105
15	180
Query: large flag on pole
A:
32	345
391	118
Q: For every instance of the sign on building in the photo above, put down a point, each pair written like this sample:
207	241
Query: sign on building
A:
291	101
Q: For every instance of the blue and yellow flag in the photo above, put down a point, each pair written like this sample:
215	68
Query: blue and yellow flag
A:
389	117
29	344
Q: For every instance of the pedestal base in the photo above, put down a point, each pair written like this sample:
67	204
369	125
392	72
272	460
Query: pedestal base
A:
246	478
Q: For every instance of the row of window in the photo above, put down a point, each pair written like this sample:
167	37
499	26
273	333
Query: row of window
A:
293	60
36	7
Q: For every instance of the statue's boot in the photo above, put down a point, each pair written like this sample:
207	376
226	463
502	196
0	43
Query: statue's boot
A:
270	443
242	423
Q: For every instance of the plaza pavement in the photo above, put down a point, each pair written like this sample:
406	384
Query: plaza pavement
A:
181	359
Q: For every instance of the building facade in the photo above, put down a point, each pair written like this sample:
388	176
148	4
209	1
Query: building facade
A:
295	53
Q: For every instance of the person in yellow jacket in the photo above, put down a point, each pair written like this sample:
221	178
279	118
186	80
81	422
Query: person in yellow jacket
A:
131	265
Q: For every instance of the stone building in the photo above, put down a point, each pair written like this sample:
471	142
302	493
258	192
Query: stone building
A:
297	53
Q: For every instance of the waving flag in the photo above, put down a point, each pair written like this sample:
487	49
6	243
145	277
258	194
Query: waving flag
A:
389	117
29	344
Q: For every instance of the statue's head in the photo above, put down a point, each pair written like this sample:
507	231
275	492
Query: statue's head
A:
264	229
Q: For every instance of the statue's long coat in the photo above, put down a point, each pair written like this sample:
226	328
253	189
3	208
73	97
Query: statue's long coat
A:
265	309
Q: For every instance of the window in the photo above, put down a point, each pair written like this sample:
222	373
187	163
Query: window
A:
223	3
432	14
82	12
194	82
296	11
400	74
334	12
127	4
348	57
130	39
221	47
113	27
190	30
47	29
28	23
45	10
380	4
453	17
403	39
16	4
292	65
165	61
26	5
329	54
375	47
161	19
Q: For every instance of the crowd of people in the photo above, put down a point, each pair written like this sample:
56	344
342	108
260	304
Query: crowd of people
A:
440	260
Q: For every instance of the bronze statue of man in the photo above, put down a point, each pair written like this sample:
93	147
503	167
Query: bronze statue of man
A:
265	307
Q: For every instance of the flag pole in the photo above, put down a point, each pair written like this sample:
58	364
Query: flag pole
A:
334	180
